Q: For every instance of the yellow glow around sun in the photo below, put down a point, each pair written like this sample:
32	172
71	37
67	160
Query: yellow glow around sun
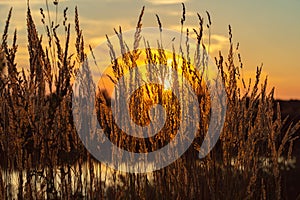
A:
167	79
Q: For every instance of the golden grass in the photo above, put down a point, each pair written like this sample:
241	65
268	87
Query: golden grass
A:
39	143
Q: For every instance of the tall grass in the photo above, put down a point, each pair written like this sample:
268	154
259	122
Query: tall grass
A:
43	158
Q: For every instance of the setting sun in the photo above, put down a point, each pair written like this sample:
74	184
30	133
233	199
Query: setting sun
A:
167	84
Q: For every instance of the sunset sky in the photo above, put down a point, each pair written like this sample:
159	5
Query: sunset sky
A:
268	31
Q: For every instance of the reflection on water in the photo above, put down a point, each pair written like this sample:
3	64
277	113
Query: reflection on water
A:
266	163
80	175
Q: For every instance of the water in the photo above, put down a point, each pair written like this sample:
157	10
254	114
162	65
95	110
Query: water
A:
106	176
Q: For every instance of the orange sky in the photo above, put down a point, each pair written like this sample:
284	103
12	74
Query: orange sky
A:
268	31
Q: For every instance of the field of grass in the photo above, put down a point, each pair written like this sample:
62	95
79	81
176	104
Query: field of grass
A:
42	156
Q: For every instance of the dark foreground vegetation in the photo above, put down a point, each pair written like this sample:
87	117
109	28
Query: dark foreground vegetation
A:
291	109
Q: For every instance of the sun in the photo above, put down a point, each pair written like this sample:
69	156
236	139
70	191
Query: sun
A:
167	84
166	79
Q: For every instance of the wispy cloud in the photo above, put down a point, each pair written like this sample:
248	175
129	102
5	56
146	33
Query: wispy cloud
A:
166	1
169	12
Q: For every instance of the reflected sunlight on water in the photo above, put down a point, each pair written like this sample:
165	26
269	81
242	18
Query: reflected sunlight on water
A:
107	176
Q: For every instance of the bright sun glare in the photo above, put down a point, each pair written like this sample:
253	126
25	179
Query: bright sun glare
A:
167	80
167	84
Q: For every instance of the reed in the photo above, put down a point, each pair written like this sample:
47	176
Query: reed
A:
43	158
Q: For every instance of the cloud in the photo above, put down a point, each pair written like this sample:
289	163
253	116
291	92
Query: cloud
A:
217	42
22	2
159	2
177	12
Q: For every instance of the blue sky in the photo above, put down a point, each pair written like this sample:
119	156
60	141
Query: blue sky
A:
268	31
